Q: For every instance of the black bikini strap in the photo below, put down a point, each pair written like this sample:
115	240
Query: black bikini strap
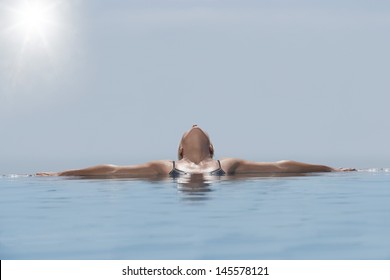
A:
173	162
219	163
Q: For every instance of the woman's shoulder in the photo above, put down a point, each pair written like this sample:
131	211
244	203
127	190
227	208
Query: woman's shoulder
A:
164	166
229	165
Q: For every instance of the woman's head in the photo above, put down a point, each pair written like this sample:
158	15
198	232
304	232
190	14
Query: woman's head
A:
195	142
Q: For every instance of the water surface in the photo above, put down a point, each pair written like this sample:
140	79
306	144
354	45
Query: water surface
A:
321	216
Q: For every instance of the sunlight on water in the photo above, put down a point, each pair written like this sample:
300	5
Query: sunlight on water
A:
376	170
16	175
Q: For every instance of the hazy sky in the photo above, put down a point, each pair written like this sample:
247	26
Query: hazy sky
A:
88	82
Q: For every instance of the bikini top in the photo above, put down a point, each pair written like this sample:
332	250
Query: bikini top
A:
177	172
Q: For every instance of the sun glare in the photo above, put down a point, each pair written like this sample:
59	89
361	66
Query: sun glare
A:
34	20
37	36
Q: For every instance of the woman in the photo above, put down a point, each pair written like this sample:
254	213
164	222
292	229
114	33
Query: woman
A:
196	157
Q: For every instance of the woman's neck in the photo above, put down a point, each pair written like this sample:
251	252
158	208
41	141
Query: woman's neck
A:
197	158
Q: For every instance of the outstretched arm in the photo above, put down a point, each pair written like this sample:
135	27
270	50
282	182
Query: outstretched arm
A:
147	169
238	166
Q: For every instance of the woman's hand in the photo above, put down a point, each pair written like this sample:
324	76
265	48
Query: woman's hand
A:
47	174
346	169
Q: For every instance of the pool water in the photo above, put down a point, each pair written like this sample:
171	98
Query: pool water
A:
321	216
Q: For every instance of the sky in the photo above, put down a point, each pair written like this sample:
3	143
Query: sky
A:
91	82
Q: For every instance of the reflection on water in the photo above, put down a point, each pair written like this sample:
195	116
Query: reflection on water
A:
195	187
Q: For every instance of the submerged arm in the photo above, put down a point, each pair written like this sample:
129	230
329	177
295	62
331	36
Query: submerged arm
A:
238	166
147	169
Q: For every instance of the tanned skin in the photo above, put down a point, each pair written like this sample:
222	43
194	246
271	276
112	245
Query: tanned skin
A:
195	155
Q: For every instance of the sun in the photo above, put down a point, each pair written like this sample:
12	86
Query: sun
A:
34	20
35	35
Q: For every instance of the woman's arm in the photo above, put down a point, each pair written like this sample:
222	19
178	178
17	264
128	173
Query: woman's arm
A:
239	166
152	168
